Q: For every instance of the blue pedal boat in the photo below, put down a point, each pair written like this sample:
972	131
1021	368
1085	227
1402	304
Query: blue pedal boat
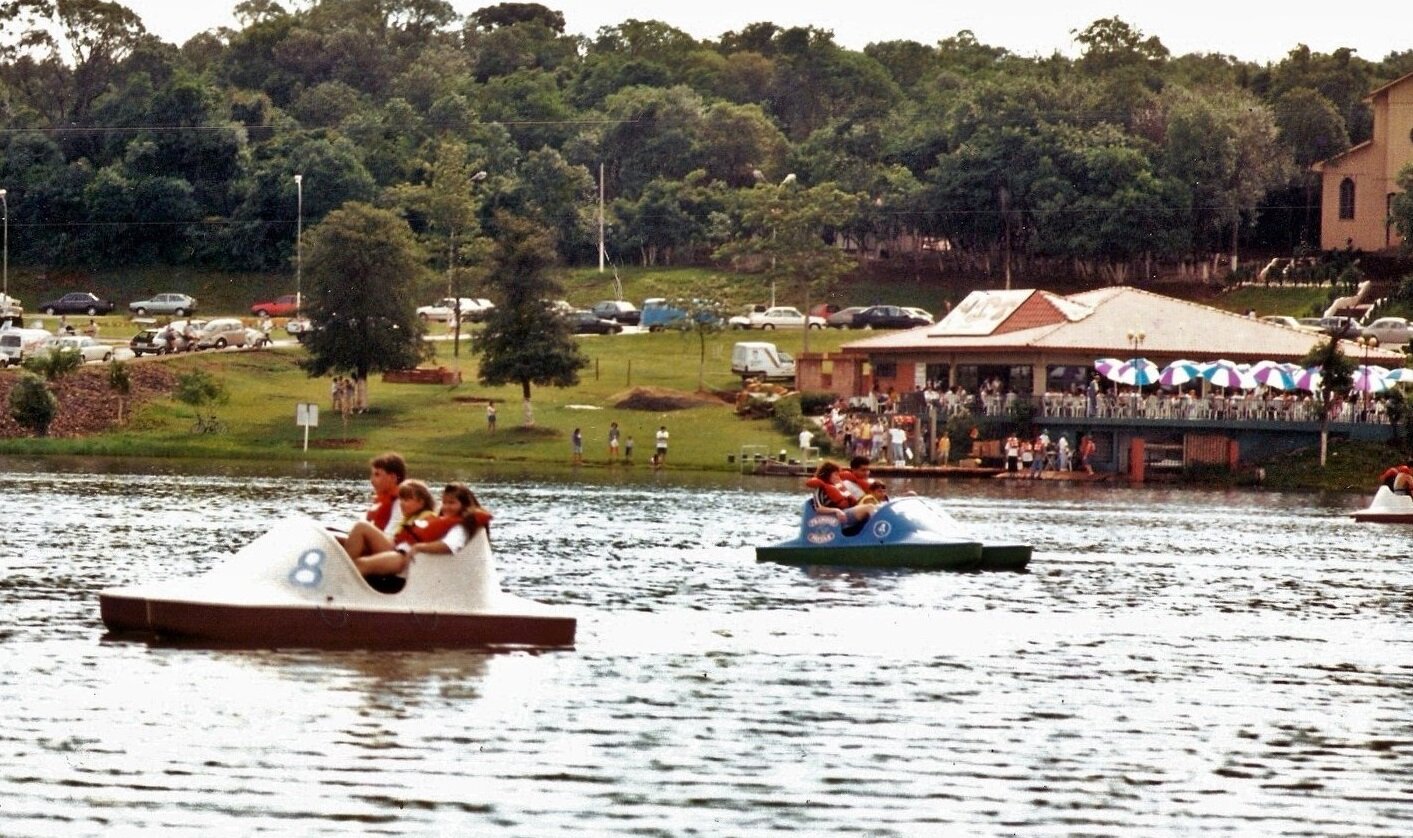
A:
909	532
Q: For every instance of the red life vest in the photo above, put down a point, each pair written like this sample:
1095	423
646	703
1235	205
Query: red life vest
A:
425	530
380	513
407	533
827	494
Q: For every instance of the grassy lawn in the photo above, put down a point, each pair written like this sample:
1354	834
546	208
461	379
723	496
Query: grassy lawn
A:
1306	301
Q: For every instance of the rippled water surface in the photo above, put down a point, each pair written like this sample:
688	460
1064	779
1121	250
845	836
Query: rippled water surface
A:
1175	661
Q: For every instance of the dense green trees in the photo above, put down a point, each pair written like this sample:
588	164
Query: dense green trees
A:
118	148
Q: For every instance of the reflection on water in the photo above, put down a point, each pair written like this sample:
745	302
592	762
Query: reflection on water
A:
1174	662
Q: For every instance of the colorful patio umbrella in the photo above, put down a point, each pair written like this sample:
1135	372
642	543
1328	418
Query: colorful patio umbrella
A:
1104	366
1370	378
1310	379
1137	372
1179	372
1226	373
1402	375
1278	376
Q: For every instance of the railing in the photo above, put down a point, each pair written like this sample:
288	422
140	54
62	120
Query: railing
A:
1152	407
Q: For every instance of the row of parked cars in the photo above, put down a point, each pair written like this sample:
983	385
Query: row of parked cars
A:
188	335
1390	331
833	317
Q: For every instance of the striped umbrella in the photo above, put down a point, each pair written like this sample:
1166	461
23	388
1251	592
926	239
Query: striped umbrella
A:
1104	366
1402	375
1179	372
1370	378
1277	376
1226	373
1136	372
1309	379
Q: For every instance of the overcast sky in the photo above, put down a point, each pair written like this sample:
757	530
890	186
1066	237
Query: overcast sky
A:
1252	30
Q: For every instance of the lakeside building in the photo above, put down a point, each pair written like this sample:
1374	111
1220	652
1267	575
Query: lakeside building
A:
1357	185
1038	345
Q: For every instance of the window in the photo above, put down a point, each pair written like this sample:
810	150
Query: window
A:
1346	199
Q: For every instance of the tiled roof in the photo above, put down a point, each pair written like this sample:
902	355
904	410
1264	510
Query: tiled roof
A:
1098	323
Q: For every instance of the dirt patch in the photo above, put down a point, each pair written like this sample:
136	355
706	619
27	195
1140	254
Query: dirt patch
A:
661	399
86	404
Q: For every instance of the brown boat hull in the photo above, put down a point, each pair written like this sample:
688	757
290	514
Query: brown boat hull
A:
274	626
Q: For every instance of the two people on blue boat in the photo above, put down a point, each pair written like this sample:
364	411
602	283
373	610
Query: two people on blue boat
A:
847	494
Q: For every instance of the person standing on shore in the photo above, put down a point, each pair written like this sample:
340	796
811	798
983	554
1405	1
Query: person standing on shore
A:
661	439
491	417
612	441
576	447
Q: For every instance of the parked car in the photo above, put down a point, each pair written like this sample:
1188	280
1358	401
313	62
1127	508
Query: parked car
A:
918	312
778	317
843	318
824	310
1387	330
10	305
18	344
887	317
220	333
150	342
483	309
77	302
442	310
89	349
179	304
299	328
1311	324
587	323
1342	327
619	311
285	306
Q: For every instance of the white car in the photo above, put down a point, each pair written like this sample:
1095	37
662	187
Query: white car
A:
1290	323
87	348
220	333
1388	330
918	313
441	311
779	317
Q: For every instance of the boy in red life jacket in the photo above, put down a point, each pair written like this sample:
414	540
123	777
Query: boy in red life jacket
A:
830	497
460	517
375	533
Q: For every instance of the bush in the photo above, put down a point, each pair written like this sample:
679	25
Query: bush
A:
32	405
816	402
790	420
54	364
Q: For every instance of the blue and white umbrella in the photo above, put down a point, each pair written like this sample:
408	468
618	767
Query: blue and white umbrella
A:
1310	379
1276	376
1179	372
1104	366
1402	375
1136	372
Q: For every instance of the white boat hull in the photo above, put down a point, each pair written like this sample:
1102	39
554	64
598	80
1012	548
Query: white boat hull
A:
1387	507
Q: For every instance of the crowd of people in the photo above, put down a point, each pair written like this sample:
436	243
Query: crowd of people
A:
405	522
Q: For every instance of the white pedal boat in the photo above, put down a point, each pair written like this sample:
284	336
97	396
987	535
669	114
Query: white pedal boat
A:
1387	507
296	587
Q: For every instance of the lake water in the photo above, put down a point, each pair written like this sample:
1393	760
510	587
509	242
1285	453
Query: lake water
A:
1175	661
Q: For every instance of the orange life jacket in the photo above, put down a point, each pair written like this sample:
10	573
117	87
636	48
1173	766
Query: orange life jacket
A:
426	530
407	533
380	513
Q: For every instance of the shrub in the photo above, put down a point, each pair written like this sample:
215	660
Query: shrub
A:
32	405
790	420
54	364
816	402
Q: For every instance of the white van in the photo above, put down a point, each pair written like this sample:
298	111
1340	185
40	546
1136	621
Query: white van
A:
18	344
758	359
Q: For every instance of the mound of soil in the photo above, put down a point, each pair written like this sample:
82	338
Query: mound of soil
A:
660	399
86	404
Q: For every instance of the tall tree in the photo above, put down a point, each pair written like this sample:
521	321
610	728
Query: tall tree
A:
524	341
362	266
791	228
1336	378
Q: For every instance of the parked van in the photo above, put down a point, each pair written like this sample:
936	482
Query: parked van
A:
18	344
757	359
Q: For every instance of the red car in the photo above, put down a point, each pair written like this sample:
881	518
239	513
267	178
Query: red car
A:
279	307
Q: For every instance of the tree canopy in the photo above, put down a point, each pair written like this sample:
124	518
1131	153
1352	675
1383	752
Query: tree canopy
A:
117	148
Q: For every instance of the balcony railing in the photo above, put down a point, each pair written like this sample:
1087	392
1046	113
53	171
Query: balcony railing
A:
1134	407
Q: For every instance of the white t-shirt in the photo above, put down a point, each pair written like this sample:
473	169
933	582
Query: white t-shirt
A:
662	439
897	436
805	439
455	538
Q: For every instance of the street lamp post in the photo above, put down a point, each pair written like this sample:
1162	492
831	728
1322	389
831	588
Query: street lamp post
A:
5	204
1135	339
1366	342
299	243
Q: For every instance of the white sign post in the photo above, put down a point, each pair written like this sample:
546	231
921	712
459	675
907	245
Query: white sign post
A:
306	415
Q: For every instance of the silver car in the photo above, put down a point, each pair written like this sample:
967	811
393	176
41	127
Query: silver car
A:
179	304
1388	330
